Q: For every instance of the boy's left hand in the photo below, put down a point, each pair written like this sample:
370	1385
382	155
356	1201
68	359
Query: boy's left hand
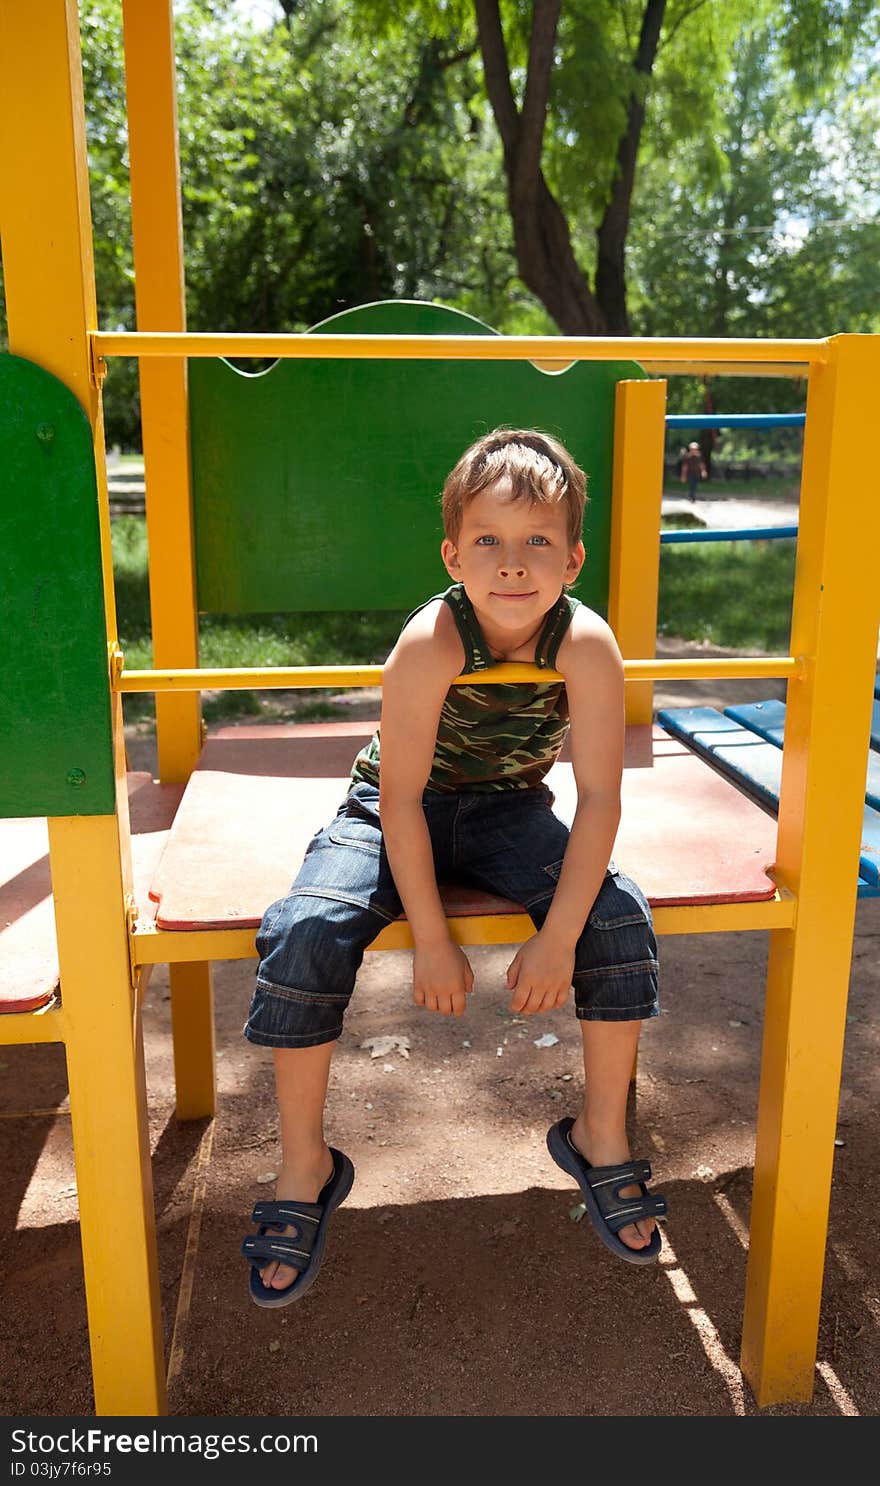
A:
540	974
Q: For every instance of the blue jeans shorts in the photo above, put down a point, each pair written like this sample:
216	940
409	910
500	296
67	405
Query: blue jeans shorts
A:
311	943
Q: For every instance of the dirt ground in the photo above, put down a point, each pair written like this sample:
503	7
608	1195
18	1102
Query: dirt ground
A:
458	1278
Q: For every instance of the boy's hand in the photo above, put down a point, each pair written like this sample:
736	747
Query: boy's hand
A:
540	974
442	978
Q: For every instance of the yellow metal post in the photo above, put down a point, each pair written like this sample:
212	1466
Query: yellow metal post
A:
50	295
192	1028
45	218
834	626
108	1111
159	294
637	492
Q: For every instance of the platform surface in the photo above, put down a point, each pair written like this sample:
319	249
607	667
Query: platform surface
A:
28	949
260	793
746	741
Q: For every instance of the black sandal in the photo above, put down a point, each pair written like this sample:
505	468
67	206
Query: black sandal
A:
304	1246
600	1185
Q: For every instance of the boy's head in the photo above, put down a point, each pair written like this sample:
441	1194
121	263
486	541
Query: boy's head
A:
536	467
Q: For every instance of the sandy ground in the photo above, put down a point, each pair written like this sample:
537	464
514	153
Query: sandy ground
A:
458	1279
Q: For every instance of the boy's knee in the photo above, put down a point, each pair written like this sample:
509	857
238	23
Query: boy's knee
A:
310	951
616	972
312	943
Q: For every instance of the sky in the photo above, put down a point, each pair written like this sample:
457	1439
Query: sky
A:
259	12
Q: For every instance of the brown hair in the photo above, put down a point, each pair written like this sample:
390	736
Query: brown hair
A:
538	467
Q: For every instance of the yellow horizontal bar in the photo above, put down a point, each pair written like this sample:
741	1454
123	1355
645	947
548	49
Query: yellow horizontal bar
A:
46	1024
269	677
290	677
691	918
456	347
778	912
724	369
152	946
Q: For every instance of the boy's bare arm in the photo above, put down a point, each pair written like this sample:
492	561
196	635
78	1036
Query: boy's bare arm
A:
589	659
416	678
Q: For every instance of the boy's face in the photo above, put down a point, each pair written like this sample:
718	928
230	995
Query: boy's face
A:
513	556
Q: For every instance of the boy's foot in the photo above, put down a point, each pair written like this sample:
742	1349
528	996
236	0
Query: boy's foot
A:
612	1151
297	1182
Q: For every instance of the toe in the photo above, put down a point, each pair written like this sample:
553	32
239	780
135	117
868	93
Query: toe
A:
632	1236
283	1277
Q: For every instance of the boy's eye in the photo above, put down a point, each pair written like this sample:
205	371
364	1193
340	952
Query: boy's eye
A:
486	541
539	541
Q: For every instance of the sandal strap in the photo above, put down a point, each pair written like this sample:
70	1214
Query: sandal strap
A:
283	1246
622	1211
626	1172
606	1183
285	1213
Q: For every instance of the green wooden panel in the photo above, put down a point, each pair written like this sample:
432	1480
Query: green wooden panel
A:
56	753
317	483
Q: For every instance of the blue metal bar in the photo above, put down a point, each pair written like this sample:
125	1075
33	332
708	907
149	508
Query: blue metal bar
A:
734	534
736	420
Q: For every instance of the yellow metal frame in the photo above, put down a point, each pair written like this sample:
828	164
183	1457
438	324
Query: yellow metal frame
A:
788	667
637	492
788	357
50	295
157	235
152	946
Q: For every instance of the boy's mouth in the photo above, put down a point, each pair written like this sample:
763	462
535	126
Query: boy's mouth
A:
530	595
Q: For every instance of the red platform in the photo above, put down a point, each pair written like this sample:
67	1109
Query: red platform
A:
687	836
28	951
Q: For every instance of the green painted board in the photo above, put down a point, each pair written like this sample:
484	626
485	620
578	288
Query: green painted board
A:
316	484
56	753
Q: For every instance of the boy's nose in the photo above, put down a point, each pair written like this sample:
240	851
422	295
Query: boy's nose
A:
515	569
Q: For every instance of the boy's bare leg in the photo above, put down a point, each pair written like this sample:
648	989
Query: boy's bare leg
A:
599	1132
306	1164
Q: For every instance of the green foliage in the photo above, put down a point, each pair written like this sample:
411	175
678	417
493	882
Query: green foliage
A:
350	154
355	171
782	241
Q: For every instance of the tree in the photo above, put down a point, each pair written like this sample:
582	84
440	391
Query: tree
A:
779	235
320	168
575	91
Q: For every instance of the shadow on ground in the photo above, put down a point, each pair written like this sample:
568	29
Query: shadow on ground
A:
456	1280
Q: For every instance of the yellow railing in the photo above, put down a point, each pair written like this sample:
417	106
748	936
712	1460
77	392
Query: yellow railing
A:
782	355
273	677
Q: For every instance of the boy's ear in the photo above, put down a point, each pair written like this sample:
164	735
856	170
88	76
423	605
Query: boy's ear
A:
449	554
575	562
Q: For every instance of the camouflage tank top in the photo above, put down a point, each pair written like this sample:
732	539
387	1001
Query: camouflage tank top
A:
502	736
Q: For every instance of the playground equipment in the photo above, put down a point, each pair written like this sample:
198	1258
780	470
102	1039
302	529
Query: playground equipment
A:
696	421
64	677
745	741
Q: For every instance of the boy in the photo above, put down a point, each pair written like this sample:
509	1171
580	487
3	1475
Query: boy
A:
452	786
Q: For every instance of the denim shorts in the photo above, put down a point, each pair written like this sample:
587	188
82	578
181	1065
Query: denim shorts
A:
311	943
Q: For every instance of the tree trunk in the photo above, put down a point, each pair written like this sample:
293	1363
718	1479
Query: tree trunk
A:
544	253
542	240
612	231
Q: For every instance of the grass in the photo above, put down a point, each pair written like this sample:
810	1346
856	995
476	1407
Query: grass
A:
730	594
225	641
734	594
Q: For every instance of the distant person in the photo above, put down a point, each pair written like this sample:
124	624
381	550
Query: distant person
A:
693	470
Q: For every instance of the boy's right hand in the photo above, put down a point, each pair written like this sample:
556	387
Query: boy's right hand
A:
442	978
